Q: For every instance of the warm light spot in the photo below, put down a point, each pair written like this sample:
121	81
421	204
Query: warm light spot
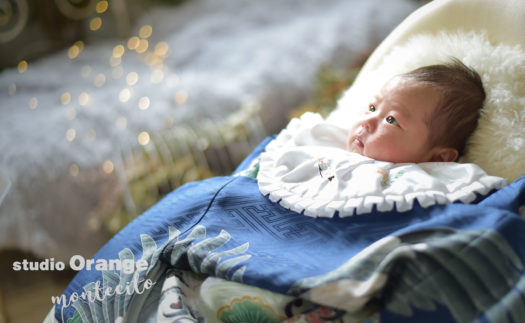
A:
122	123
71	114
108	167
161	49
99	80
133	43
115	61
73	52
117	72
124	95
142	47
33	103
118	51
71	134
144	103
101	7
92	134
83	99
145	31
12	89
143	138
157	75
181	97
132	78
22	66
95	23
65	98
85	71
73	169
79	44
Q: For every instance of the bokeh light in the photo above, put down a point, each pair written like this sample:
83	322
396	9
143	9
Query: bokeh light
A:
71	134
95	24
99	80
102	6
145	31
108	167
132	78
124	95
65	98
143	138
33	103
144	103
74	170
181	97
118	51
22	66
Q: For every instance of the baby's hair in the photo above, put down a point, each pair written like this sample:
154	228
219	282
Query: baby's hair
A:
462	97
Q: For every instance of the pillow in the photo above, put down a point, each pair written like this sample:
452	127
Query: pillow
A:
497	145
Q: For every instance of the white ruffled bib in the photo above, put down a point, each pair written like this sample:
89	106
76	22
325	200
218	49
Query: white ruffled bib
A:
306	168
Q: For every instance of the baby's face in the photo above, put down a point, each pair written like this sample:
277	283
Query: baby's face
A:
395	128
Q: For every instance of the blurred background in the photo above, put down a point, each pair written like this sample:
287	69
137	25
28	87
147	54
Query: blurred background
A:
107	106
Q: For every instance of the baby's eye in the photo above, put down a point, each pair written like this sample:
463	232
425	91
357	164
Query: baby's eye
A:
392	120
372	108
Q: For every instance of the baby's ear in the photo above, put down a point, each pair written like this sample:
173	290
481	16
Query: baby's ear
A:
444	154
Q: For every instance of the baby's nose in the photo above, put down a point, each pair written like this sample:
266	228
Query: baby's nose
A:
369	123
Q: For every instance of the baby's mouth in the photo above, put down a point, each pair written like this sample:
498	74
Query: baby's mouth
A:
358	142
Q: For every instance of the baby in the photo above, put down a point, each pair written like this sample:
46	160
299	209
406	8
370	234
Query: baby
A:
421	116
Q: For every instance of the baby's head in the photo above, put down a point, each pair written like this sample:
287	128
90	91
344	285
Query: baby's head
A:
424	115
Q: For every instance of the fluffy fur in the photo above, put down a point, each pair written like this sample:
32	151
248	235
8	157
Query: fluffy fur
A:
498	144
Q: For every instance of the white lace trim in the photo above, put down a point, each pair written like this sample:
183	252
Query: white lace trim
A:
306	170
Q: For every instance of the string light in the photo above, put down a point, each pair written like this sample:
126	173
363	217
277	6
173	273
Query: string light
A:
79	44
145	31
33	103
132	78
181	97
73	170
83	99
102	6
65	98
161	49
99	80
124	95
73	52
22	66
95	24
157	75
144	103
114	61
133	43
71	134
143	46
108	167
143	138
118	51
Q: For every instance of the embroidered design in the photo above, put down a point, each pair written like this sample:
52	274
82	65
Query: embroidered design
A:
325	170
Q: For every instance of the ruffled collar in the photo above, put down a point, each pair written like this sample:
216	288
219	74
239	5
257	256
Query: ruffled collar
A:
306	169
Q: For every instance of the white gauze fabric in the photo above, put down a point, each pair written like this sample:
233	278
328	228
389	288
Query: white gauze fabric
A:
306	168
